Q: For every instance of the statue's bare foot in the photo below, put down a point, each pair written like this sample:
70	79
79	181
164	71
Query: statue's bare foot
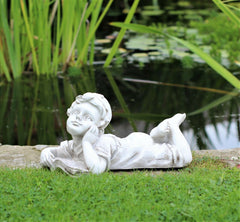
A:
177	119
162	132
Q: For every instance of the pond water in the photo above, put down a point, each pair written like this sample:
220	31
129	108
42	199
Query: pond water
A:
33	111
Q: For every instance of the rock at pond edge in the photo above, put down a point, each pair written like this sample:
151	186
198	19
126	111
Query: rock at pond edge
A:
29	156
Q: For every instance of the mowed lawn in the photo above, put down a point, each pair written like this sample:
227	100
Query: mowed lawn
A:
204	191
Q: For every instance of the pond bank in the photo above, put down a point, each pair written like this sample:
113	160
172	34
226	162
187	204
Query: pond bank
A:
28	156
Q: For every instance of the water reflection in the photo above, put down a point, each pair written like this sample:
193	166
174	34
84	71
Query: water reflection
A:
220	136
33	111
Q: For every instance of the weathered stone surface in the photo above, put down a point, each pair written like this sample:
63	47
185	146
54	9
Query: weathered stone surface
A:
222	154
29	156
20	156
229	156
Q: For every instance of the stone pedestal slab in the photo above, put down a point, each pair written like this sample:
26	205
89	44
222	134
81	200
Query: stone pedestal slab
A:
29	156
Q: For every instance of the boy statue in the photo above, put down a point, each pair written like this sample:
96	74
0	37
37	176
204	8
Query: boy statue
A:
90	150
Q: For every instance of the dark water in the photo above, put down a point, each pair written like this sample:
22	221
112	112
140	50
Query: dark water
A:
33	111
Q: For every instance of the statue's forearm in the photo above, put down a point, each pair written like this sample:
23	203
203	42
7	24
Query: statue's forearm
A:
93	161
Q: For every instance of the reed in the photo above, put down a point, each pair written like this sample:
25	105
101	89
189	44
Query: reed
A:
121	34
228	10
92	29
47	36
234	81
221	70
9	47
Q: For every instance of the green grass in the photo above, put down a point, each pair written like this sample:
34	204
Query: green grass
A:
205	191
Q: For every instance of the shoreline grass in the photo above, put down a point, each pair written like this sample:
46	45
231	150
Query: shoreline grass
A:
204	191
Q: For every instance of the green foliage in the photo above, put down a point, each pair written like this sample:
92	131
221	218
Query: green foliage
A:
121	34
214	33
8	47
211	62
226	9
220	34
120	97
187	62
43	36
207	58
174	195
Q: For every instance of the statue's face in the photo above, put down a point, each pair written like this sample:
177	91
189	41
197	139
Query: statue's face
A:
81	118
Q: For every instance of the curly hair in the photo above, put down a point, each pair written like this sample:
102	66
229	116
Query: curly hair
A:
100	102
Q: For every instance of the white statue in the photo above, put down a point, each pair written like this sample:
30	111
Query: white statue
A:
91	150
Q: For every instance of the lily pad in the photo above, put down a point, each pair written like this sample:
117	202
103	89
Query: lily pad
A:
141	42
151	7
107	51
103	41
191	31
224	53
140	57
184	4
154	53
193	17
152	12
179	54
181	12
196	58
237	63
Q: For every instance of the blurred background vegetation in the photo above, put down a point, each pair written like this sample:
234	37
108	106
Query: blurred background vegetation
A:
51	51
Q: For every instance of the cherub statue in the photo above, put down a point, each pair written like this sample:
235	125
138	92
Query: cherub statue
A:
90	150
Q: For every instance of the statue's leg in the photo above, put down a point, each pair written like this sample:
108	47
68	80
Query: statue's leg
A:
162	132
178	141
168	132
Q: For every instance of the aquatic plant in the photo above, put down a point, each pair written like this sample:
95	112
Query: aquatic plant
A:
217	35
207	58
121	34
228	10
41	36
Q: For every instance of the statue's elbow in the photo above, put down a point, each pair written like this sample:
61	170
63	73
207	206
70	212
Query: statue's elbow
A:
99	168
